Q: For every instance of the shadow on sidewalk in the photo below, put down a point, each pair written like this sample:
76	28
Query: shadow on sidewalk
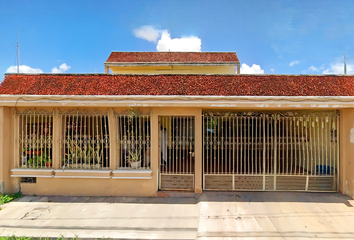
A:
174	197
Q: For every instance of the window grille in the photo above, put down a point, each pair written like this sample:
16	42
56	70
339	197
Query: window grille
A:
84	140
133	140
35	139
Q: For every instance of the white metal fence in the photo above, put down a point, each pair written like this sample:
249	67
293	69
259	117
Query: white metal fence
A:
176	145
84	140
133	140
270	151
241	150
35	139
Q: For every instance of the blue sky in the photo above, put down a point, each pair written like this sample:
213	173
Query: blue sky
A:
278	36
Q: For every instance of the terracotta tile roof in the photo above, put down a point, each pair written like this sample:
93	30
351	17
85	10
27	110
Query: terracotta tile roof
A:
182	57
218	85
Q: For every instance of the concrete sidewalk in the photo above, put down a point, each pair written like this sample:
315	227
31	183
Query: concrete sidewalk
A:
237	215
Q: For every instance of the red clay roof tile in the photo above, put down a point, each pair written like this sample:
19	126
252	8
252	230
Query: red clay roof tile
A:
217	85
185	57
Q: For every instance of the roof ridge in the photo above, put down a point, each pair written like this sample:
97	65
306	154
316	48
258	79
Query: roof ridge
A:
192	57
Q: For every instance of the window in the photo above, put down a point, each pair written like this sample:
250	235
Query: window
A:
133	140
84	140
35	139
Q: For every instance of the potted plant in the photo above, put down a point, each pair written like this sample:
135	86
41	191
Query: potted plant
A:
39	161
86	154
34	162
134	159
97	155
44	160
24	158
49	163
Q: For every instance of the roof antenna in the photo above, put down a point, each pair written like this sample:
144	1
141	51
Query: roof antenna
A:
18	56
345	66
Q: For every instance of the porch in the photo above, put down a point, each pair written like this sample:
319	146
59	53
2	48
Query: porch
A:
186	150
86	143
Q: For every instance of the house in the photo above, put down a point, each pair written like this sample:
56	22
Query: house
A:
175	121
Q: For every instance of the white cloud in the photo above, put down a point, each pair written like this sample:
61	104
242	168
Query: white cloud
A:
23	69
314	69
62	68
183	44
338	68
164	41
148	33
272	70
294	63
255	69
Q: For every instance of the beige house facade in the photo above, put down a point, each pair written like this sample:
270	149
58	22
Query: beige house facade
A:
175	122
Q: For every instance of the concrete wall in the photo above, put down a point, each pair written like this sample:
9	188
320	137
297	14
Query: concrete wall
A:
93	186
174	69
346	139
7	184
90	187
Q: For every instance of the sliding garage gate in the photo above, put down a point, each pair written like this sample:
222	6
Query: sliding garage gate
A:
259	151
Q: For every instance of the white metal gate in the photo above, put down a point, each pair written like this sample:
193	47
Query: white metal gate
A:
176	148
270	151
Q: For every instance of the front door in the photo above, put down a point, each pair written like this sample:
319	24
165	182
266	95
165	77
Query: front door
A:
176	148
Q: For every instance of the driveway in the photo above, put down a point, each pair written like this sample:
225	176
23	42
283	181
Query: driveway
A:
211	215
